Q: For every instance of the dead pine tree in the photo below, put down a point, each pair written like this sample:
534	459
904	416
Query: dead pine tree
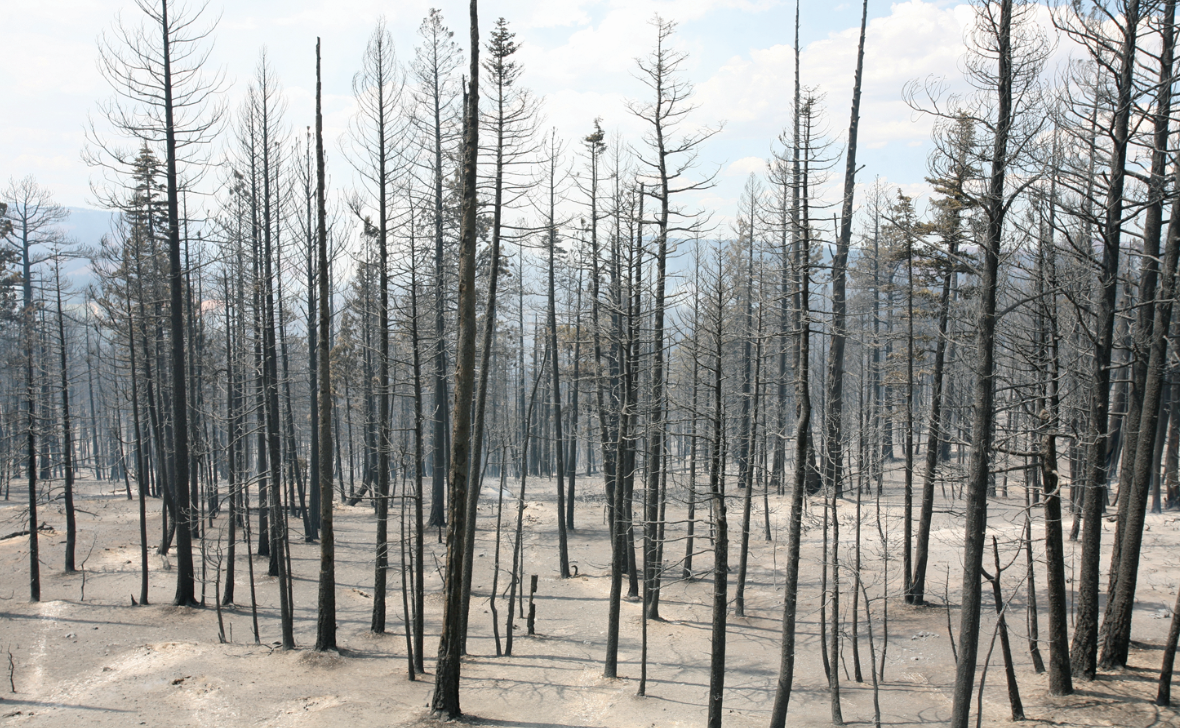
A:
326	597
669	155
1060	676
32	218
67	441
1141	411
445	699
801	233
833	416
511	122
1015	68
694	420
554	151
1116	627
437	58
623	443
717	510
1084	649
155	71
376	133
749	423
265	112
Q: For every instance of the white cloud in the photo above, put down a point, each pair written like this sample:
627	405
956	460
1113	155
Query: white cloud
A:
745	167
754	91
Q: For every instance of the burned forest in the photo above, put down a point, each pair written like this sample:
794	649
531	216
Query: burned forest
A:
400	369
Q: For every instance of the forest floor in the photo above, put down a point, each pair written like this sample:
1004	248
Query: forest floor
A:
102	662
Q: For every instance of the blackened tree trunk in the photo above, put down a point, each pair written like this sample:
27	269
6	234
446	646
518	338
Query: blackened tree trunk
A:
694	418
270	377
440	412
750	446
140	465
1144	331
1060	678
908	489
720	528
326	600
503	73
377	88
313	358
984	396
67	444
1164	693
782	696
28	332
1005	644
419	462
603	383
1116	637
1084	651
185	575
571	459
445	700
563	559
917	594
623	446
833	417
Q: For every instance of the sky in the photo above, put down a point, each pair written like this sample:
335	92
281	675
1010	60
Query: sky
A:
578	55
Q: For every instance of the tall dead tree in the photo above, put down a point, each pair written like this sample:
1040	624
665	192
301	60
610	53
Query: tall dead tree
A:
1084	650
511	121
800	173
717	450
445	700
433	68
326	598
834	412
30	222
994	36
67	443
950	183
375	134
1155	317
156	72
1116	632
670	154
1060	677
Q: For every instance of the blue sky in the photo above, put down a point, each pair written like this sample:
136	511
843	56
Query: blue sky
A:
578	54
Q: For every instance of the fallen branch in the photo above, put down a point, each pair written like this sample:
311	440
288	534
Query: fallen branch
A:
18	534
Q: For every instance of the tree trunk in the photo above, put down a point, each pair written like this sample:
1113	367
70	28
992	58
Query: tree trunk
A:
563	560
445	700
67	436
1085	637
782	696
1117	622
185	575
917	592
833	418
326	597
984	397
720	531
